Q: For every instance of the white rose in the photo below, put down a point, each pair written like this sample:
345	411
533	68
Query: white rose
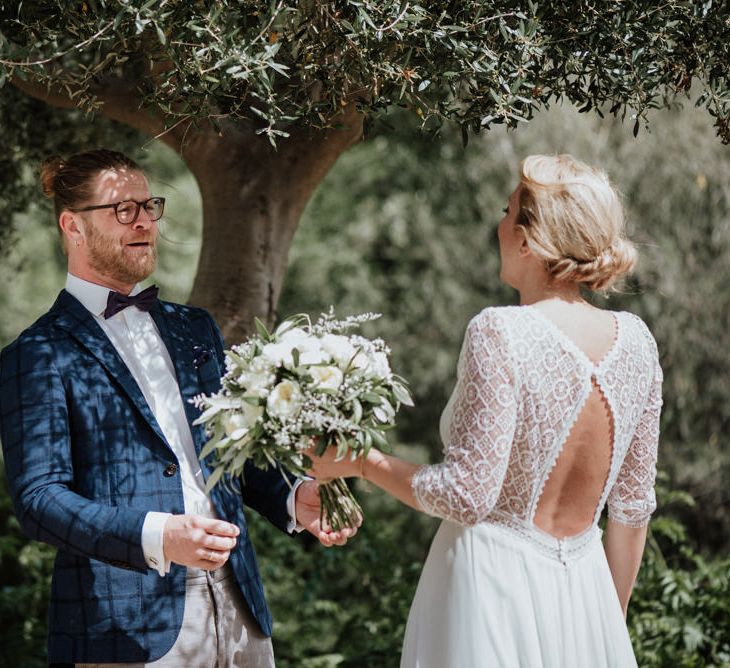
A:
257	384
238	424
310	351
277	354
312	354
379	366
326	377
294	335
285	400
339	348
361	362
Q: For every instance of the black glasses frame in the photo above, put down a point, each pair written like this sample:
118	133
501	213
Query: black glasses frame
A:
116	205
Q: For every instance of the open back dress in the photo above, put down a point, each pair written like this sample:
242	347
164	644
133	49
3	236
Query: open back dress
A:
496	590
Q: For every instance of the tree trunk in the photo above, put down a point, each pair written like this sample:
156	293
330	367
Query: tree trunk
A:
253	197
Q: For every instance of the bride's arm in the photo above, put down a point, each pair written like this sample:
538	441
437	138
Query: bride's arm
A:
632	499
465	486
391	474
624	547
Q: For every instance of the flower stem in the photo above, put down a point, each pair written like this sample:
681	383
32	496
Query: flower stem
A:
338	507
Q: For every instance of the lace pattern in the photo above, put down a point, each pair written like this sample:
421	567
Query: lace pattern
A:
465	487
520	387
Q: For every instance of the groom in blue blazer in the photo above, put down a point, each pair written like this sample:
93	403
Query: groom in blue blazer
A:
94	423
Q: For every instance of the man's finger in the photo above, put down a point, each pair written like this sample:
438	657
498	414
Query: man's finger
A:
349	532
325	539
216	556
218	527
218	542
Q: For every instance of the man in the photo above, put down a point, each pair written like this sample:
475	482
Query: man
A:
102	456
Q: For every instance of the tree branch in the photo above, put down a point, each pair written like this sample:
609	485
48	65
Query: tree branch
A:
119	103
49	95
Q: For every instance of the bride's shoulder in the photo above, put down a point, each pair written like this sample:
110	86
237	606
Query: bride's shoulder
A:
501	316
498	321
638	328
635	323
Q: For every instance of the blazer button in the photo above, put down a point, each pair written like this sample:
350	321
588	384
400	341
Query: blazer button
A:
170	470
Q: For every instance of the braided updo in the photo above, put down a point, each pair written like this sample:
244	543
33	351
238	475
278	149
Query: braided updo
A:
572	217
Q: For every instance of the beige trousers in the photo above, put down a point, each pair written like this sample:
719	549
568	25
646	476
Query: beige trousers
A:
218	631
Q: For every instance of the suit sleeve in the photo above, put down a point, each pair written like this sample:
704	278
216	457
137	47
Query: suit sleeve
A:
265	491
35	430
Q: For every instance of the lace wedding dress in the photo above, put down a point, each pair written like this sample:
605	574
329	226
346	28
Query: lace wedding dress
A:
496	590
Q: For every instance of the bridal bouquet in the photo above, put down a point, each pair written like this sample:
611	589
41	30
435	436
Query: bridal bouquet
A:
304	384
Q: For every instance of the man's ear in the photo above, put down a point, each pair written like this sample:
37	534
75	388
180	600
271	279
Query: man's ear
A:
72	227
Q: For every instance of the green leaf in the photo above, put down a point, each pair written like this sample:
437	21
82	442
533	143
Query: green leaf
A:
208	448
402	394
261	329
161	35
356	411
213	479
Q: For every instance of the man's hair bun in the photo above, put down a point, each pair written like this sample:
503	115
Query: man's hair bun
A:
50	170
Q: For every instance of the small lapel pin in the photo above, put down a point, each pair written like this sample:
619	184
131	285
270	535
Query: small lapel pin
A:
200	355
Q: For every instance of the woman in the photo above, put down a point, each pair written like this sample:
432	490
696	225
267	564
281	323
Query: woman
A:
555	414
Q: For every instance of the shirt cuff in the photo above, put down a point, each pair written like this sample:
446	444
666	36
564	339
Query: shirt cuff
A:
152	542
291	507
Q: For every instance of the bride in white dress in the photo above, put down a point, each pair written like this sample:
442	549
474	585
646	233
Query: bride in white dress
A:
555	415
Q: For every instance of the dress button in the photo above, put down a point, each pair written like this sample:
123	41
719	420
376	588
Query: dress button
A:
170	470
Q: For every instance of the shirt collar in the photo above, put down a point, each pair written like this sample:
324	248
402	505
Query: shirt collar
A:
92	295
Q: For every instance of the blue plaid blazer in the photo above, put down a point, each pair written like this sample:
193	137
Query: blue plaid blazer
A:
86	460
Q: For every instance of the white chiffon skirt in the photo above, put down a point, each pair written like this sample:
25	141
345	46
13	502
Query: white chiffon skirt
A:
490	596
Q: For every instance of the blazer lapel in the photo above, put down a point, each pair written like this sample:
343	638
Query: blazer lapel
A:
195	374
81	325
180	340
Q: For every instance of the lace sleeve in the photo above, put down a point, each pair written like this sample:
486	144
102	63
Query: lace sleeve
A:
632	499
464	488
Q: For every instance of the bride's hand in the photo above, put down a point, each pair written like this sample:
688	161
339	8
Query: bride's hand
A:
326	467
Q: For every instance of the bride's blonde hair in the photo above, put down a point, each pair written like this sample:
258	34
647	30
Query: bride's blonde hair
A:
572	217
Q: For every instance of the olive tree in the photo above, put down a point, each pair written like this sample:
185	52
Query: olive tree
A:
261	98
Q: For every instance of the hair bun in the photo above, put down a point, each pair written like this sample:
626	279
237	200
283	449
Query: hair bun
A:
600	272
50	169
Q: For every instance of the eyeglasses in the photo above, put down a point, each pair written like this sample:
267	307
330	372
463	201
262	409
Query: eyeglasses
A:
128	210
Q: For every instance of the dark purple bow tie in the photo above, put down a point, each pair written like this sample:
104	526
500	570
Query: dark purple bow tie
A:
144	301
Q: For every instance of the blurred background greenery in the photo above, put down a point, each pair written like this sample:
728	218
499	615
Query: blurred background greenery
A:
406	226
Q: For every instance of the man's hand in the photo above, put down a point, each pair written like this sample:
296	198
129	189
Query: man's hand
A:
199	542
308	510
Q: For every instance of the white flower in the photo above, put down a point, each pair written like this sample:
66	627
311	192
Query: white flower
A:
257	384
281	353
312	355
238	424
379	366
285	400
361	363
326	377
294	335
277	354
339	348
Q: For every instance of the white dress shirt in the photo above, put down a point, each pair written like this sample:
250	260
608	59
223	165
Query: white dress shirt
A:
135	337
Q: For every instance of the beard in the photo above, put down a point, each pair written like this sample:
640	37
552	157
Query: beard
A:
110	257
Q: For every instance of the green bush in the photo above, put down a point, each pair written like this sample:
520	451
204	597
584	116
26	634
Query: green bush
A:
679	616
25	584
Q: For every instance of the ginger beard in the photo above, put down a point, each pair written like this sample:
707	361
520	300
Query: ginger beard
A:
111	256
